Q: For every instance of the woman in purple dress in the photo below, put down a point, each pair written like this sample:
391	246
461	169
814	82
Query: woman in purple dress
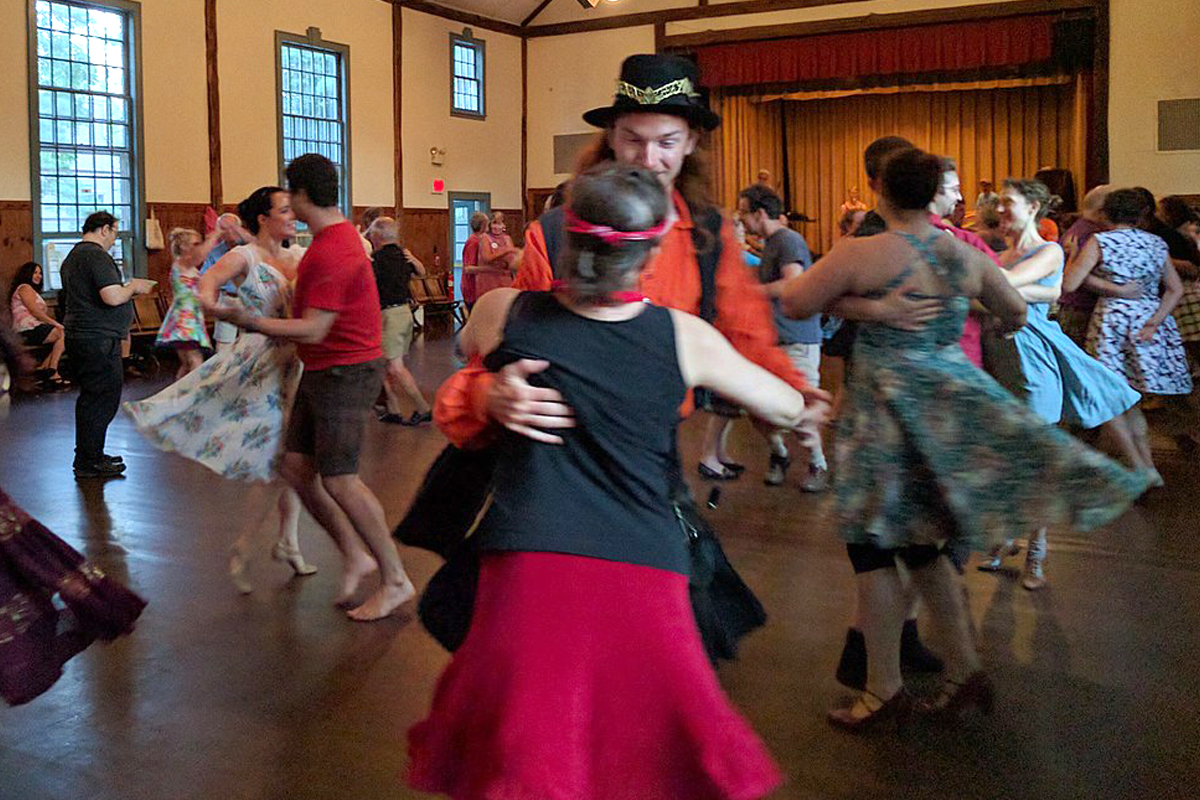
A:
37	636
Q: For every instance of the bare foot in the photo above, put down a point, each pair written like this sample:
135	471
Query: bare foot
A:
237	570
352	575
384	602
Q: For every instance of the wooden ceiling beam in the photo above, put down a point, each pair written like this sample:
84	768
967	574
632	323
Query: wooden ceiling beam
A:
533	14
710	11
904	19
705	11
465	17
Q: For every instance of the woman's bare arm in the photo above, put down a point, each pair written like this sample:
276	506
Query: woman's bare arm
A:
706	358
229	266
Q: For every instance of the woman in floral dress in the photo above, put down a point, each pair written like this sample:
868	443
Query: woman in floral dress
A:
183	327
934	452
1137	336
230	413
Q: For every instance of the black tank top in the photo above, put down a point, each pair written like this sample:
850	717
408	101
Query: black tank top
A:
604	492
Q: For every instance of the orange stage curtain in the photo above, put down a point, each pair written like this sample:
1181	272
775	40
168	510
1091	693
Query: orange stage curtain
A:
992	133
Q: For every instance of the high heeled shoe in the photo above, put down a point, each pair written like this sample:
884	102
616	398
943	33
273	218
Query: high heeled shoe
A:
293	558
897	708
955	699
996	556
237	570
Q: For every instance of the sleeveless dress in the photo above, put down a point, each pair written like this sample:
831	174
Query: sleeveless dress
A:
932	448
1159	366
583	676
183	325
1056	379
38	634
230	413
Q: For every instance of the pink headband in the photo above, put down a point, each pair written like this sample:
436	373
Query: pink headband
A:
611	235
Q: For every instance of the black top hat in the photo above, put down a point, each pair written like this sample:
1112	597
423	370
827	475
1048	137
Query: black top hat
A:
657	84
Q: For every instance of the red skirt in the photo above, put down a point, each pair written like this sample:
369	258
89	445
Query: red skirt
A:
584	679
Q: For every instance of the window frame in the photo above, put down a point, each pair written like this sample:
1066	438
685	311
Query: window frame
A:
133	253
312	39
468	39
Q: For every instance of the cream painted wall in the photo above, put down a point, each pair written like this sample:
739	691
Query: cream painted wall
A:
567	76
1154	57
481	155
14	98
174	101
246	59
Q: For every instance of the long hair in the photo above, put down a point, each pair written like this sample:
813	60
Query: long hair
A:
692	182
24	274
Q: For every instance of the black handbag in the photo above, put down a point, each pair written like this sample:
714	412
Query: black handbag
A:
449	502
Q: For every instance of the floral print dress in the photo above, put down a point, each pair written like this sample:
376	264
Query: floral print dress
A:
231	412
932	448
1128	255
184	324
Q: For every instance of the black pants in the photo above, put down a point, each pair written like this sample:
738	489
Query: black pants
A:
96	367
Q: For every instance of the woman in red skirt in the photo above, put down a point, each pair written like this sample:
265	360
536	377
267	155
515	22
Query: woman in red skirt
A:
583	676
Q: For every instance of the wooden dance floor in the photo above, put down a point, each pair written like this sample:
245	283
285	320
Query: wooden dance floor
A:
276	695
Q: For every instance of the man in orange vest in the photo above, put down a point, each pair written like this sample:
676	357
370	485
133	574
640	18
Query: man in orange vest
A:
655	121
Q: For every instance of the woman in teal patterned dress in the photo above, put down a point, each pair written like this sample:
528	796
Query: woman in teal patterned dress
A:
231	412
183	327
931	450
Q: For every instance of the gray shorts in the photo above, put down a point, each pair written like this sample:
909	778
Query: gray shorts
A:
330	414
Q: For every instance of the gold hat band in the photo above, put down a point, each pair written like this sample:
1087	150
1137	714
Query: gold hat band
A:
654	96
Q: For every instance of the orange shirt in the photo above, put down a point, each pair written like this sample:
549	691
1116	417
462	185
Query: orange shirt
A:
670	279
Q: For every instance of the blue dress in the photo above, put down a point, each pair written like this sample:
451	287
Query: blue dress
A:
1042	366
932	448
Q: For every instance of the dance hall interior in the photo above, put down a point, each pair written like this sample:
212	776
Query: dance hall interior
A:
599	399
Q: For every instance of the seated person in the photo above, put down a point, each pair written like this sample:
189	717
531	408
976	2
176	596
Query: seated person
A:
32	320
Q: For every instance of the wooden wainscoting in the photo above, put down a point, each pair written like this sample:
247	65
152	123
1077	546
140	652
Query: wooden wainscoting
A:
16	238
426	232
171	215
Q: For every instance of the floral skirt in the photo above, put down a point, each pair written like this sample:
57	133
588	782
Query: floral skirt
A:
36	636
230	413
584	679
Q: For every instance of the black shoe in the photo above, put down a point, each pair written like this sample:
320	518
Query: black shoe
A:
734	467
419	418
852	666
913	655
100	469
392	419
107	459
777	469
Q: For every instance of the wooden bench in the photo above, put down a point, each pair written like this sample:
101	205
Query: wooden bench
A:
432	294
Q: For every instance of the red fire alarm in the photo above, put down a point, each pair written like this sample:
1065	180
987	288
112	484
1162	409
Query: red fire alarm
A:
439	186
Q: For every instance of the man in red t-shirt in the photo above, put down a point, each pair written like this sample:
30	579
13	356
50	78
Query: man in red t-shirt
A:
337	329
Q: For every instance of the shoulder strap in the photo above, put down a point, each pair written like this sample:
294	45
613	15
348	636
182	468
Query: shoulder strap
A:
706	238
554	234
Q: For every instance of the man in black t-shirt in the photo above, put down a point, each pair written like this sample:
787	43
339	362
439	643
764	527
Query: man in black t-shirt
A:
99	312
394	266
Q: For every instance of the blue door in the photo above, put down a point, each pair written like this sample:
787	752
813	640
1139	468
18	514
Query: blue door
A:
462	206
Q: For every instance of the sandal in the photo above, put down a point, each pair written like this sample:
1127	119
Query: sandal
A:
899	708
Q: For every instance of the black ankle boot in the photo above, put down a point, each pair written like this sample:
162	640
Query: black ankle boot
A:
913	655
852	667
